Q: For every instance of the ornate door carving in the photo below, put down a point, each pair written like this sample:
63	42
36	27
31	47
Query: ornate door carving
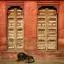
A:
15	28
47	29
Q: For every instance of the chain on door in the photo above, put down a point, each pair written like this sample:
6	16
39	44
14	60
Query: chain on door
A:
47	29
15	28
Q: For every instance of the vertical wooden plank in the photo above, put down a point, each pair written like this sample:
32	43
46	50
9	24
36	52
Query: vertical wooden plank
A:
2	25
30	20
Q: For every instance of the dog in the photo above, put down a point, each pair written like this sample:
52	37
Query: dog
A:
24	57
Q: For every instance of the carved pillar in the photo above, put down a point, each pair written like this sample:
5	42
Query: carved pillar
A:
3	42
61	26
30	20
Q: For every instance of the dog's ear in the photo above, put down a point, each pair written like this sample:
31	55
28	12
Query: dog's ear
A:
21	56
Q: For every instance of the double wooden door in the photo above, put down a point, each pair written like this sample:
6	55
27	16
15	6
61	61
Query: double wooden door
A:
47	29
15	28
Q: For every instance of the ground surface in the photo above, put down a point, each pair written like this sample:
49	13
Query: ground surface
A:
44	61
40	58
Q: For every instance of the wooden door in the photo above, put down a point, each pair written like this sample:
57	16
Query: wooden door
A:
15	28
47	29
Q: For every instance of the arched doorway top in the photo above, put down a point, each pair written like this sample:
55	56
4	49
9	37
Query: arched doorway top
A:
49	7
12	7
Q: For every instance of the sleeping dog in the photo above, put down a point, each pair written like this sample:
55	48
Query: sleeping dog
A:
24	57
